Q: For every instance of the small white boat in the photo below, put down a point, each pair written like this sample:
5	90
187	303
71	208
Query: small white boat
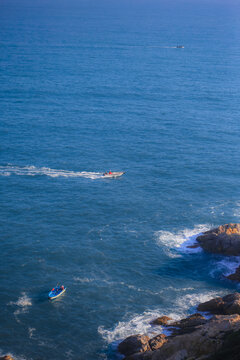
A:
113	174
56	292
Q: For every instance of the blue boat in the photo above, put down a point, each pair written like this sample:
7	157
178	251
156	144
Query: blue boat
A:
56	292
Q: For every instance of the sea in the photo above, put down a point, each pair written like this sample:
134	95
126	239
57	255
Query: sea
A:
88	86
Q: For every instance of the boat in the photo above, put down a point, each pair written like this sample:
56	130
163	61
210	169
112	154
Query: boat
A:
56	292
180	47
113	174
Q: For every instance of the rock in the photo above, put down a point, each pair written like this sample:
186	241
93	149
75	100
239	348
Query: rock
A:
162	320
235	276
229	304
158	341
6	357
134	344
215	306
224	240
140	356
195	246
232	303
188	325
200	344
230	349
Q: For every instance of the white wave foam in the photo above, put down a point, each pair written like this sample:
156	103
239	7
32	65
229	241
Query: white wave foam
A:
141	324
31	332
138	324
226	266
188	301
54	173
23	303
180	240
237	210
83	280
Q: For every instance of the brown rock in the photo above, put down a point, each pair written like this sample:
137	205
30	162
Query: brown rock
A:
215	306
224	240
134	344
235	276
158	341
229	304
6	357
162	320
200	344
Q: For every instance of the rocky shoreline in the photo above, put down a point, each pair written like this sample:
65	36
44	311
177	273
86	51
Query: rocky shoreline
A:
198	337
213	333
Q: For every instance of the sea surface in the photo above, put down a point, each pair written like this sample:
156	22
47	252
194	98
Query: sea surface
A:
90	86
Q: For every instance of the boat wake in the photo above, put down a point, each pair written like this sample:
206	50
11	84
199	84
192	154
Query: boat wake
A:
9	170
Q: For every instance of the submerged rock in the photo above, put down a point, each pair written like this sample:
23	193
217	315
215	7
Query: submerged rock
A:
224	240
194	246
6	357
134	344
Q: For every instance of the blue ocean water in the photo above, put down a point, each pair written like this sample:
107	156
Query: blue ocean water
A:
89	86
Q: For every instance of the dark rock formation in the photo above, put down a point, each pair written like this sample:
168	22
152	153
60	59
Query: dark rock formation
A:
235	276
229	304
157	342
224	240
214	306
6	357
140	356
134	344
230	349
187	325
162	320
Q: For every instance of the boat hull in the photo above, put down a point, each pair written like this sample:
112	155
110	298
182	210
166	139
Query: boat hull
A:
114	174
53	295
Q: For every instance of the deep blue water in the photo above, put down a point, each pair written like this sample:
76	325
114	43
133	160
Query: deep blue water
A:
88	86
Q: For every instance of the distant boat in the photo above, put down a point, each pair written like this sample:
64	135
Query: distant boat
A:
180	47
56	292
113	174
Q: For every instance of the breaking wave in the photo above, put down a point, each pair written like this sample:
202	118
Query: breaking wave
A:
180	240
44	171
225	267
141	324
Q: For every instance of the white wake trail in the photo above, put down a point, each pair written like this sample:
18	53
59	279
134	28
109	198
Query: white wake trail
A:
44	171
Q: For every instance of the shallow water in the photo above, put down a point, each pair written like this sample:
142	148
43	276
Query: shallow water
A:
87	87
